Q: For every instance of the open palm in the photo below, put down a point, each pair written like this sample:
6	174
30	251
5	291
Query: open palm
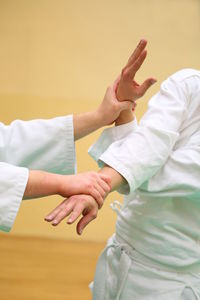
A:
128	88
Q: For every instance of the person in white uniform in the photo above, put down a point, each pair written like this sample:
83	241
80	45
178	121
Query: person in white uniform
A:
155	252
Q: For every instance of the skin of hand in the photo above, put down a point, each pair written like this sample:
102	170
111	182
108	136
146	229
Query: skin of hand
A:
107	112
119	99
110	108
74	207
84	205
42	184
128	88
91	183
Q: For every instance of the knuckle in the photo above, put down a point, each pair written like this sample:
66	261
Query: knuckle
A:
126	74
103	194
108	88
99	197
100	205
141	93
123	70
89	186
93	215
72	198
115	106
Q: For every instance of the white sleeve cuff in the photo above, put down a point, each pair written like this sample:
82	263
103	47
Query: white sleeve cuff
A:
13	182
109	136
47	144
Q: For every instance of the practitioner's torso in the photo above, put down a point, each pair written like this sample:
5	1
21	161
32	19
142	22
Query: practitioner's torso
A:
162	219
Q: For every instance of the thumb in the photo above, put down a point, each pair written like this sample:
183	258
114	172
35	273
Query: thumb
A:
126	104
146	85
116	83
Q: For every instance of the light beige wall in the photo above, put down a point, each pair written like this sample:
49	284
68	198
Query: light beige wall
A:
57	57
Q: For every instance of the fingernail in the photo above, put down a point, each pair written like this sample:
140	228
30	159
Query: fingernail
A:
69	221
80	232
142	41
48	218
153	80
54	223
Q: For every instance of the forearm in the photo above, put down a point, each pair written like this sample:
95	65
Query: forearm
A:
117	180
41	184
126	116
86	123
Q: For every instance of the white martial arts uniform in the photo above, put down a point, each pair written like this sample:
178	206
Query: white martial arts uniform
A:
155	253
39	144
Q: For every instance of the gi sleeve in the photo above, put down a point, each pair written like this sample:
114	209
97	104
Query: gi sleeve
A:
109	136
173	177
143	152
13	182
39	144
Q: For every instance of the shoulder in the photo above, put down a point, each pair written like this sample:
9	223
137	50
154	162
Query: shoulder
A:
184	82
185	74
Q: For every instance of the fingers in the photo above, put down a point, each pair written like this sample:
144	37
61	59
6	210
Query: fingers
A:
85	220
139	49
98	194
95	184
74	207
78	210
130	71
63	211
115	84
107	179
146	85
102	188
100	191
54	212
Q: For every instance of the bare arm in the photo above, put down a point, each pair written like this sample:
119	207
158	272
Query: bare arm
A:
41	184
117	180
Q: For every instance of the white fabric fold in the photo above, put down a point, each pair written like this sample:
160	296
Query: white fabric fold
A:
38	144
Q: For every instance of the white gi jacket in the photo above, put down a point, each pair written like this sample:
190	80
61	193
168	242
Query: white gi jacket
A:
39	144
155	253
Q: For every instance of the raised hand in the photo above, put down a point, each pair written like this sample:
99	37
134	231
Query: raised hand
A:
128	88
74	207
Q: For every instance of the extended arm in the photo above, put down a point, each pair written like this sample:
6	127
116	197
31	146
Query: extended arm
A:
126	88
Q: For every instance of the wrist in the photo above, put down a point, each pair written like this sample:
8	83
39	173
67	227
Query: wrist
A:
41	184
125	116
119	96
99	118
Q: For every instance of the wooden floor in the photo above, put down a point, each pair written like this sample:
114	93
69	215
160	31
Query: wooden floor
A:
46	269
